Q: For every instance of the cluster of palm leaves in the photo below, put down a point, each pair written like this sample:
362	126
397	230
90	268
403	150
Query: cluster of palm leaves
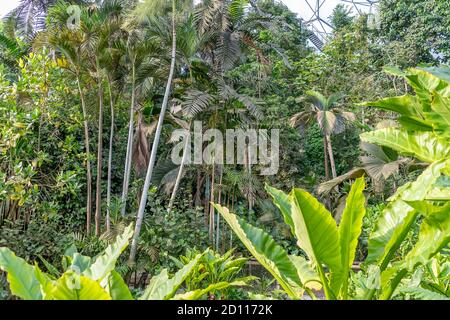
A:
173	56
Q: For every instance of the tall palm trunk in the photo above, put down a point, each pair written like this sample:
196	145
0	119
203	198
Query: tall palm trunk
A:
88	156
111	137
98	193
127	172
148	177
219	201
325	157
211	207
180	173
330	153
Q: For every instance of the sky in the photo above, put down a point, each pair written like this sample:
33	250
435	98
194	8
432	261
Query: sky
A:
295	5
298	6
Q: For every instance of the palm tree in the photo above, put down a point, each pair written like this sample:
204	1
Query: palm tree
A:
151	165
70	43
29	16
330	119
99	26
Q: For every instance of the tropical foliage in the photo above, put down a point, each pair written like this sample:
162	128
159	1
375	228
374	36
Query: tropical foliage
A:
98	97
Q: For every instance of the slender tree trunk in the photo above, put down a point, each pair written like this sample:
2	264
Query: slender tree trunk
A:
127	172
219	201
88	156
180	173
249	177
111	138
211	207
98	193
330	153
325	158
148	177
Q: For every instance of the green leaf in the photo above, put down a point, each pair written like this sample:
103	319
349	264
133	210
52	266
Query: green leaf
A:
21	276
424	294
317	234
197	294
398	217
116	287
283	202
406	105
262	246
350	228
442	72
50	268
440	115
154	284
45	282
72	286
80	263
433	236
425	146
308	276
107	262
163	288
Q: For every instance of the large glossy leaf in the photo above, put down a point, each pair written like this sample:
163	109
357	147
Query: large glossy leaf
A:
425	146
433	236
80	263
350	227
317	235
442	72
107	261
116	287
308	276
21	276
72	286
284	203
406	105
262	246
197	294
423	294
163	288
398	217
440	115
45	281
155	282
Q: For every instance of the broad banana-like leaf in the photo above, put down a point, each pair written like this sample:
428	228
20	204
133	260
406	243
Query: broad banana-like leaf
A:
425	146
197	294
312	224
398	217
107	262
80	263
424	294
433	236
166	288
406	105
72	286
154	284
45	281
350	228
308	276
116	287
284	203
317	235
21	276
442	72
262	246
440	115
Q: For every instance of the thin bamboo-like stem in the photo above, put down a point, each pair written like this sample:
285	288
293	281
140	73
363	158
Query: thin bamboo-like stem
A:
127	172
151	165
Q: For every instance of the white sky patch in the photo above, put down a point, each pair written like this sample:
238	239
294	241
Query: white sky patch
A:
7	5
